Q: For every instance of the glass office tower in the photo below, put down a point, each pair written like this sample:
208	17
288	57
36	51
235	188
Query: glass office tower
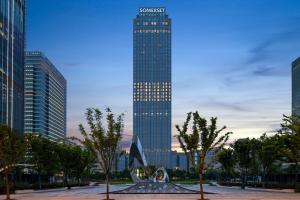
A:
152	84
296	87
45	97
12	37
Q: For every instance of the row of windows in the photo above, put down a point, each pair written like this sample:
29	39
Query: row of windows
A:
153	23
162	96
152	90
152	31
151	14
151	113
153	84
153	99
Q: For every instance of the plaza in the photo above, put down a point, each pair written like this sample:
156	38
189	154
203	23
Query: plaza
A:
154	98
95	193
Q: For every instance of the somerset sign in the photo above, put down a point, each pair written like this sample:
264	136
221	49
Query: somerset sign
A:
152	10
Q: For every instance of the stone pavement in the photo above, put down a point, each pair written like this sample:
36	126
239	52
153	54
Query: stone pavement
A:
94	193
155	188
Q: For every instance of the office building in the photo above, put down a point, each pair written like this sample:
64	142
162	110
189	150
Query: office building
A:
180	161
296	87
45	97
12	39
152	84
122	162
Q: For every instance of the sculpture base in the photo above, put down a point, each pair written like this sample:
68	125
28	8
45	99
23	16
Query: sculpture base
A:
155	188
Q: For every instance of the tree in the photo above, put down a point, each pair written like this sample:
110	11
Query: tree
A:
11	150
102	142
267	154
189	143
202	139
67	155
83	161
242	151
227	160
255	165
289	137
42	155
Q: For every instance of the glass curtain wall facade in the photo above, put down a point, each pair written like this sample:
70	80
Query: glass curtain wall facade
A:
152	84
12	42
45	97
296	87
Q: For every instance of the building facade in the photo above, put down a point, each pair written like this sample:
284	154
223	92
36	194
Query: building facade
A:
296	87
122	162
45	97
180	161
12	44
152	84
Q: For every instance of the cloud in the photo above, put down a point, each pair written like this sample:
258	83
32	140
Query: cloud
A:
270	71
263	71
232	80
228	106
268	57
266	50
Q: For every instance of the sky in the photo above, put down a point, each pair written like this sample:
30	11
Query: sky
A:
230	59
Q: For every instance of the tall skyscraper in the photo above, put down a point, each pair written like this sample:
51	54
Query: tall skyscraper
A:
12	37
152	83
296	87
45	97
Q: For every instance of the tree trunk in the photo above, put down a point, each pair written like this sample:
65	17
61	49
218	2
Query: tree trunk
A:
243	181
201	177
7	186
297	173
40	181
280	180
201	185
107	186
264	179
67	182
227	178
50	180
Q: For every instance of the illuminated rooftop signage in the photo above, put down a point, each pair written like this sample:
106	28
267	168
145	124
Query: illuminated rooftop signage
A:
152	10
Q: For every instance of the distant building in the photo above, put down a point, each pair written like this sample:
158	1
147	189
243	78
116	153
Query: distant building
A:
179	161
210	156
122	162
12	39
296	87
45	97
152	84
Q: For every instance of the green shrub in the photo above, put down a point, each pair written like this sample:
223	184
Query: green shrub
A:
297	188
3	189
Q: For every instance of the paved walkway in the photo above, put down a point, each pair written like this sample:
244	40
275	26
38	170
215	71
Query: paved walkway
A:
94	193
